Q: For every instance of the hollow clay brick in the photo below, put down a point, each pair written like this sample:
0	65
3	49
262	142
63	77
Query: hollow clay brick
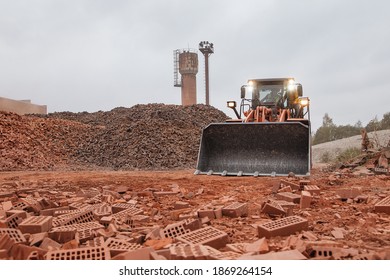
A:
118	207
290	197
76	218
205	236
189	252
13	221
15	234
313	189
174	230
383	205
87	253
294	186
305	200
273	208
235	210
36	224
117	246
282	227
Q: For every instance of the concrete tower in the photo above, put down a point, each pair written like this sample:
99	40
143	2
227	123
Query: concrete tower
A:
188	68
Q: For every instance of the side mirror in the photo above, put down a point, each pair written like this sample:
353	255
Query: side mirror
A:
243	90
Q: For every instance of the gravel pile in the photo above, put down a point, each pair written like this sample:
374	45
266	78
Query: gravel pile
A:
144	137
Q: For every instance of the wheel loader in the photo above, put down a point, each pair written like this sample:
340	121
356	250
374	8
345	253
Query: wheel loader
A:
269	137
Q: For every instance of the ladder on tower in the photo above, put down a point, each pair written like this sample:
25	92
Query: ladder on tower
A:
176	79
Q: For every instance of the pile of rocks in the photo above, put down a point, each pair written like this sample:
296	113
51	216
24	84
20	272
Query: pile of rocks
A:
152	136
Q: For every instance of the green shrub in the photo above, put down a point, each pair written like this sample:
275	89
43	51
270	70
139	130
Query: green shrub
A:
326	157
348	154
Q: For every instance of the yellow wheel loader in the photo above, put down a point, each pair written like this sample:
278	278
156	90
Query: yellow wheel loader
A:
270	137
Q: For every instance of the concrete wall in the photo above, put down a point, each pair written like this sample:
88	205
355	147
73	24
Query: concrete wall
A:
21	107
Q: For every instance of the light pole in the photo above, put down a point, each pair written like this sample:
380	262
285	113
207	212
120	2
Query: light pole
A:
207	49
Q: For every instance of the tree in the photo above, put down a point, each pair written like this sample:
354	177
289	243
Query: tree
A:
326	132
385	122
373	125
358	125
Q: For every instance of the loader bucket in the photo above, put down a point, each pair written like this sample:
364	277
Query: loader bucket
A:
257	149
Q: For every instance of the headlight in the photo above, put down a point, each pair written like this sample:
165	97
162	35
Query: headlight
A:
304	101
291	86
231	104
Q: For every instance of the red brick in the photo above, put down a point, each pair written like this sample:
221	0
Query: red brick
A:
49	244
260	246
286	189
15	234
273	208
192	224
174	230
290	197
50	211
84	235
6	194
123	215
87	253
329	253
205	236
206	213
189	252
235	210
23	252
13	221
36	224
138	254
102	211
313	189
348	193
303	183
118	246
283	255
64	212
181	205
118	207
105	221
7	205
282	227
383	206
33	204
3	254
20	213
63	235
294	186
305	200
37	238
6	242
96	242
76	218
214	254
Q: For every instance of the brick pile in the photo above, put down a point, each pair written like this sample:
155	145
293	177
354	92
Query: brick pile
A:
152	136
75	222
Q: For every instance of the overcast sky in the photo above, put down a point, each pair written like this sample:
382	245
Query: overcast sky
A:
91	55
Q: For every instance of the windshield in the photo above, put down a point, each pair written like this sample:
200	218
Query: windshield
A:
267	94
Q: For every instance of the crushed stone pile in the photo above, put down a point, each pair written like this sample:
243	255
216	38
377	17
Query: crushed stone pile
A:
143	137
